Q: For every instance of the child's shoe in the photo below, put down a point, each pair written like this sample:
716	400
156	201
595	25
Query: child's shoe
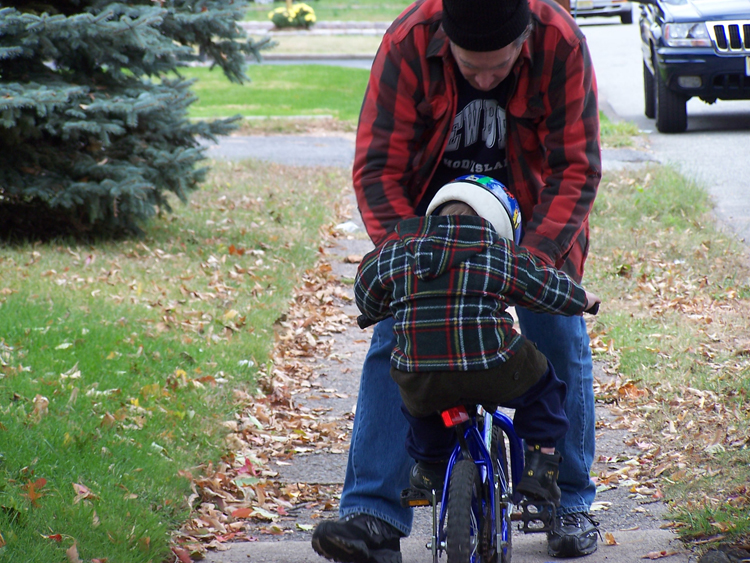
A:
539	479
428	476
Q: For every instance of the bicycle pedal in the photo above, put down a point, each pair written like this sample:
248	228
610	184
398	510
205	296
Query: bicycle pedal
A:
415	497
537	516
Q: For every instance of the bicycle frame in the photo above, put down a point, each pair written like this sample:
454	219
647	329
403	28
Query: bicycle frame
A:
491	503
475	445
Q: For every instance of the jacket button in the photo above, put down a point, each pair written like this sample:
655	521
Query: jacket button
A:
516	376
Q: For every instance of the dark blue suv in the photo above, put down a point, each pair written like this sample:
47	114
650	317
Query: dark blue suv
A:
693	48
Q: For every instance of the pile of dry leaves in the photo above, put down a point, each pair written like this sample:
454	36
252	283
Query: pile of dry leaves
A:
271	426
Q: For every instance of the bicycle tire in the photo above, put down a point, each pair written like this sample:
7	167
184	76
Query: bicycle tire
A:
499	455
463	525
498	451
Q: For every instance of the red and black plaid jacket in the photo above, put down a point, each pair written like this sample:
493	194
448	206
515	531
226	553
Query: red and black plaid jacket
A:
553	150
447	282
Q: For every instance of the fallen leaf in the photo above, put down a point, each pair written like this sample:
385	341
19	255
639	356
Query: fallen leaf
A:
609	539
152	390
108	421
262	514
41	407
182	554
72	553
658	554
33	490
83	493
723	526
218	546
248	466
242	512
246	481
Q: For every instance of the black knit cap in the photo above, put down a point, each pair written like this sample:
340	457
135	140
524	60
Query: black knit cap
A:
485	25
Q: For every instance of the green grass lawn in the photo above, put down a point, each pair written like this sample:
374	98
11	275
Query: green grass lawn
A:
119	361
281	90
673	326
336	10
366	45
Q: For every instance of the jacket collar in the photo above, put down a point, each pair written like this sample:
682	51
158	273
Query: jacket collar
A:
439	45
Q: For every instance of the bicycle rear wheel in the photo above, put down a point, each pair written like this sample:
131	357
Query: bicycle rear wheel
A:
464	513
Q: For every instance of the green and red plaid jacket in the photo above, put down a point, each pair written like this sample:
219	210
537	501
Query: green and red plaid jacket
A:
553	150
447	281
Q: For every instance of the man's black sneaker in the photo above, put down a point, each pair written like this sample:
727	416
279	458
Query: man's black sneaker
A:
358	538
428	476
574	535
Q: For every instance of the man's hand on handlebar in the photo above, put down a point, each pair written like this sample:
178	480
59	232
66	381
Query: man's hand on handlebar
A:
592	303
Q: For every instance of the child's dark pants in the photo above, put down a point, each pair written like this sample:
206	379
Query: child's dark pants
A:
539	419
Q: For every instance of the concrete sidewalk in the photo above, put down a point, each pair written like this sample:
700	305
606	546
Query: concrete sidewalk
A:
325	28
532	548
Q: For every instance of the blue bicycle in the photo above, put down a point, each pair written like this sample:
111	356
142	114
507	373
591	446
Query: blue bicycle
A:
478	499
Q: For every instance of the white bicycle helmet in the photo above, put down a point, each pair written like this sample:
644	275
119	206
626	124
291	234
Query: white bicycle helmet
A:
488	197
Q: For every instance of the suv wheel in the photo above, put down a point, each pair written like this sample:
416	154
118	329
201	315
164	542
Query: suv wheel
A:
626	17
671	108
649	92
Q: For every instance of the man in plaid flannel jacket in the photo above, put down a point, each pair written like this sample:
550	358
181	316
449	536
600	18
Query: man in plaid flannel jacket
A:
498	87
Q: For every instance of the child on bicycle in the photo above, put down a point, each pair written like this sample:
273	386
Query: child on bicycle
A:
448	279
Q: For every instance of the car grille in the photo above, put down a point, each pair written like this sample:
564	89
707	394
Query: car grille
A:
730	37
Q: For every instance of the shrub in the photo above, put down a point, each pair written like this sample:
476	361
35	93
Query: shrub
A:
294	15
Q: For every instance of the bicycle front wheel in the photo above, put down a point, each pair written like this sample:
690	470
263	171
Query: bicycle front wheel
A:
464	513
499	455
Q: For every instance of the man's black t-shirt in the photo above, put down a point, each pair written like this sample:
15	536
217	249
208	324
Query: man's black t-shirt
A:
477	142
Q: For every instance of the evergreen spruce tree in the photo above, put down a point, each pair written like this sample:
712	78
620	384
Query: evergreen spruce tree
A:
94	132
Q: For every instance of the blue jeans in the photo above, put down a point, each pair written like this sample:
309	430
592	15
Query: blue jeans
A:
565	342
378	465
